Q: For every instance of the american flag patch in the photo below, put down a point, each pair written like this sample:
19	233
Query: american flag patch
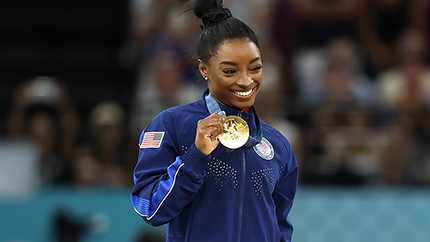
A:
152	140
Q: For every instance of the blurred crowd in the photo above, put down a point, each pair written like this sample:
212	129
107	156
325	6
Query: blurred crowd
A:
346	81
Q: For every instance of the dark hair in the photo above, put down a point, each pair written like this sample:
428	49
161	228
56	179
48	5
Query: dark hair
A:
218	26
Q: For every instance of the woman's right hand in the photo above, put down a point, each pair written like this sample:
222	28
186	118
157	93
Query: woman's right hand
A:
208	130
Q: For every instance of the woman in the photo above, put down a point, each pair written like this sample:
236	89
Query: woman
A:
204	190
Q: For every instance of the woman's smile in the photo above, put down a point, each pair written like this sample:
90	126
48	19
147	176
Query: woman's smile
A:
244	94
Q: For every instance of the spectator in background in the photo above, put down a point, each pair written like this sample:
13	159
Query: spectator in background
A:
43	111
342	146
404	93
319	23
364	143
165	20
337	144
159	25
342	79
382	22
101	160
407	84
163	87
315	167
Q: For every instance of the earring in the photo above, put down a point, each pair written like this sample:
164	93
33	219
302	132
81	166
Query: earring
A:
205	77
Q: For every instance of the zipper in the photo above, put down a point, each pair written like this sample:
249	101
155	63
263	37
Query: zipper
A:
242	193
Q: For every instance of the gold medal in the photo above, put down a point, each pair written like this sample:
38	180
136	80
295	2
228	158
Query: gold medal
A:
237	133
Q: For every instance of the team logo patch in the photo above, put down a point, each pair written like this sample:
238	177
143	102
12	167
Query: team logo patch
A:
264	149
152	140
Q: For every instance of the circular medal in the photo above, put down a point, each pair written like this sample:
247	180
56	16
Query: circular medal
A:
236	134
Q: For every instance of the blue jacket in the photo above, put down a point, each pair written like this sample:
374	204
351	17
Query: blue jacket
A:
244	195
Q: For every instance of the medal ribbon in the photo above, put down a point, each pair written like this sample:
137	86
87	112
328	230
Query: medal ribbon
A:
213	107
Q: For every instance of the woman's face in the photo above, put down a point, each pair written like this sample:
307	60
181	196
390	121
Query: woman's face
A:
235	73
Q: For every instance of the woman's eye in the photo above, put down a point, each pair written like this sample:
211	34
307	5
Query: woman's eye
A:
229	71
257	68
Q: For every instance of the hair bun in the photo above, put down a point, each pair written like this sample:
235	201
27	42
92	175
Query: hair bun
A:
202	7
215	17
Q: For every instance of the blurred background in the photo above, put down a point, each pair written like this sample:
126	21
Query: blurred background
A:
346	81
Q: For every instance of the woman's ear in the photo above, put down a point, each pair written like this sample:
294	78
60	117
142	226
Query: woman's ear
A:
203	68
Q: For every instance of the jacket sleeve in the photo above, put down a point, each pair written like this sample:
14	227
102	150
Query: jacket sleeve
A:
165	181
284	194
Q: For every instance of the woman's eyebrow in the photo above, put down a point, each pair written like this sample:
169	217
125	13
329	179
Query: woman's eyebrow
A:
229	63
236	64
254	60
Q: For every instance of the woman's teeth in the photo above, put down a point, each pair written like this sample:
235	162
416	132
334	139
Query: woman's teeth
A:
243	93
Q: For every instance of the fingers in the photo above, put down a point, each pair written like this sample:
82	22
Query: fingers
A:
211	131
213	123
208	130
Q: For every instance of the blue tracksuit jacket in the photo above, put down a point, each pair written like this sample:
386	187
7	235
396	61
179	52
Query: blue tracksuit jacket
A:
243	195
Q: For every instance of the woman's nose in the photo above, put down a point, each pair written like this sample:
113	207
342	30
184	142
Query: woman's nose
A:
246	80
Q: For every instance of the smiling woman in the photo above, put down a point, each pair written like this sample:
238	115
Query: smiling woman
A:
213	170
235	74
